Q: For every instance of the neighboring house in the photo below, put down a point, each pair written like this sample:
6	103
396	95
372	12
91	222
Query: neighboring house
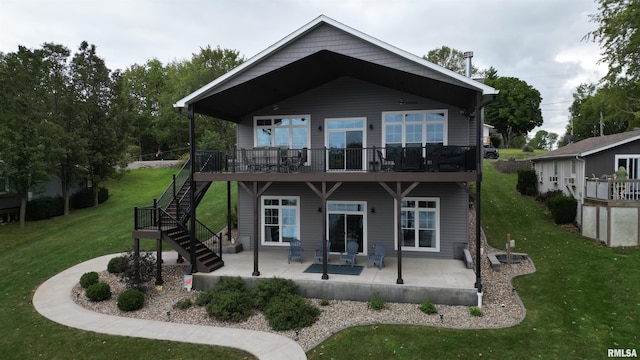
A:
343	137
585	171
486	134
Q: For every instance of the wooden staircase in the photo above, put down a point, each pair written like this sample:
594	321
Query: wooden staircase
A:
169	220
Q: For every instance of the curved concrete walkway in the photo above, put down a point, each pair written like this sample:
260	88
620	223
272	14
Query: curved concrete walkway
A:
53	300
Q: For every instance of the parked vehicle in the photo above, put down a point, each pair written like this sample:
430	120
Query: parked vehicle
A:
491	153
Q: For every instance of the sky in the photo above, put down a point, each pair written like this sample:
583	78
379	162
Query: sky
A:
537	41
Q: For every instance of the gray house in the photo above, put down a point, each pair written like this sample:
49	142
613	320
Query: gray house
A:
345	138
607	207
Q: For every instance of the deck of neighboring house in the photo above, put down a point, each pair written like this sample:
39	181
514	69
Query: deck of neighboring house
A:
440	281
611	211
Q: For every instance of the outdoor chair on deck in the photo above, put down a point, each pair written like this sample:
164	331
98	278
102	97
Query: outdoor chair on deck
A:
385	164
250	164
317	253
295	250
378	256
350	255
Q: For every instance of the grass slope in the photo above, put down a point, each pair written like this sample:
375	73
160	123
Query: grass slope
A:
42	249
583	299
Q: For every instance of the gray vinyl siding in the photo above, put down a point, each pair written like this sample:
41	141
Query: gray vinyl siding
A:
326	37
349	97
380	228
604	162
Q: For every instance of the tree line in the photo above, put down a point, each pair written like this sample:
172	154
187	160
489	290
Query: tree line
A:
68	115
612	105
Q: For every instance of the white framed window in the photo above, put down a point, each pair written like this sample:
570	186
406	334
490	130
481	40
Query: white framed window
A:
345	139
279	219
415	128
292	131
631	163
420	223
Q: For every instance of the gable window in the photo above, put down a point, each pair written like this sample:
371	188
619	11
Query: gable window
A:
420	222
282	131
414	128
280	219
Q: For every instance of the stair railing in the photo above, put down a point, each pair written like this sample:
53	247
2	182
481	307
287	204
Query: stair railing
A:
204	235
178	181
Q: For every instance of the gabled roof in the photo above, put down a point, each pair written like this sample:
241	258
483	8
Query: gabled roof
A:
324	66
590	146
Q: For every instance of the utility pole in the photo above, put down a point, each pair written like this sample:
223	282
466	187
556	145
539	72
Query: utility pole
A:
601	125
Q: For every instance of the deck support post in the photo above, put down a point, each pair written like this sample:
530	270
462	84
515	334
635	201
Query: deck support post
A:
192	189
159	280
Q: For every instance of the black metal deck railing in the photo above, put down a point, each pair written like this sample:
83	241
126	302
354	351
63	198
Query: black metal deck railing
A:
430	158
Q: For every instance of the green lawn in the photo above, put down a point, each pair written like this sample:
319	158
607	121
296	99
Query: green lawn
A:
31	255
583	299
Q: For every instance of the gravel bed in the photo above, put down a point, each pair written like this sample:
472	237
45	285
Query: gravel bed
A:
501	305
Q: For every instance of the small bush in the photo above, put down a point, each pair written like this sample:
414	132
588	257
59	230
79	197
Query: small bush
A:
136	276
427	307
44	208
115	265
84	198
543	198
131	300
88	279
475	311
184	304
205	297
376	302
230	283
230	305
324	302
290	311
265	290
563	209
527	181
98	292
527	148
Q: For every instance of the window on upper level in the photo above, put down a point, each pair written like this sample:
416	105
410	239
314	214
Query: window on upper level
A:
282	131
414	128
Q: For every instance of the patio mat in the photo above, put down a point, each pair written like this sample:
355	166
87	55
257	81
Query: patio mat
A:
336	269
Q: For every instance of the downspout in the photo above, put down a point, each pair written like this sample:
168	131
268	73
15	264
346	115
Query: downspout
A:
479	159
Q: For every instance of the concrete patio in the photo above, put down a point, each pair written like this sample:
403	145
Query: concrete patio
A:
440	281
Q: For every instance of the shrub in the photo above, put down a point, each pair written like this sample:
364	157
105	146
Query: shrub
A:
563	209
475	311
84	198
527	148
130	300
98	292
88	279
230	305
324	301
44	208
290	311
205	297
137	272
115	265
264	290
184	304
376	302
527	181
543	198
230	283
427	307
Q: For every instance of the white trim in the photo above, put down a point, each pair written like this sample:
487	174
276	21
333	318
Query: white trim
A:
322	19
438	225
445	130
364	139
271	117
621	142
262	224
364	213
